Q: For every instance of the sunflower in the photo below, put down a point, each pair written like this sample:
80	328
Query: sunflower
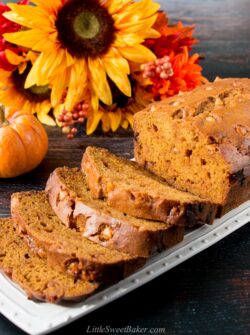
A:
83	45
13	95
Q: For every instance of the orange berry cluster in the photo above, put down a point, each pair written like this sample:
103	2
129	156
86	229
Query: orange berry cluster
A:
160	68
70	119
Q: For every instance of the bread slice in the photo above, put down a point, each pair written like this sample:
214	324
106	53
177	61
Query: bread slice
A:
74	205
132	190
66	248
39	280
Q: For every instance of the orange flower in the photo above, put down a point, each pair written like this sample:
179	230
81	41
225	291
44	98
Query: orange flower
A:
174	45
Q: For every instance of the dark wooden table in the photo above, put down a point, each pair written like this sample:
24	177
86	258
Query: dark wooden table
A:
209	294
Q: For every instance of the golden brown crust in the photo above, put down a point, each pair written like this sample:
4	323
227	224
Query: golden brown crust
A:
102	224
199	141
39	280
148	199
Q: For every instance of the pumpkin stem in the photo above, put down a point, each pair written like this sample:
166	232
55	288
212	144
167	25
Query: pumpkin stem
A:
3	120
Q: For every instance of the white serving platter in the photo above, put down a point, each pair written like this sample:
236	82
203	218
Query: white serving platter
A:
42	318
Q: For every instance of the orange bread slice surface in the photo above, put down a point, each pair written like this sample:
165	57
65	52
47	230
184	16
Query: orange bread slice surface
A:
132	190
39	280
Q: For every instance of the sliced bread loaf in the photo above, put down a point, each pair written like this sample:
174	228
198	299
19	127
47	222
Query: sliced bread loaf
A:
66	248
39	280
132	190
74	205
200	141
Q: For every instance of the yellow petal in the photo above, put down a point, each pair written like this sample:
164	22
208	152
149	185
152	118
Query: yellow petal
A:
94	101
136	11
58	111
115	119
13	58
137	54
115	69
32	56
139	26
77	83
22	67
114	6
99	80
124	124
28	16
152	33
122	40
45	118
130	118
36	75
58	87
28	38
106	124
51	6
93	120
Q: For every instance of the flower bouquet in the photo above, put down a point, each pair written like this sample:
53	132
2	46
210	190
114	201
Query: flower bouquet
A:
75	62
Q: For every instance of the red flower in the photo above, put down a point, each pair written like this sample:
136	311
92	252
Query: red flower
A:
7	26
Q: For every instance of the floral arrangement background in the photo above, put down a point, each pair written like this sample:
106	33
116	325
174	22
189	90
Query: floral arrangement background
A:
93	62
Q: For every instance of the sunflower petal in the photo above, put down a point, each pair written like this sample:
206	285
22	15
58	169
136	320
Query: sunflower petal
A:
115	119
114	6
136	11
48	5
13	58
57	110
124	124
22	67
99	80
93	120
137	53
77	84
37	74
58	87
42	113
94	101
139	26
46	119
115	71
29	38
106	123
28	16
152	33
130	118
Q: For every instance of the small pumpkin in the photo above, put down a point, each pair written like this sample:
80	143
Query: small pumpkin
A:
23	143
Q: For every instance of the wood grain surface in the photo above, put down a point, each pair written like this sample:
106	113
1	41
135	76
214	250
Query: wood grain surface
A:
208	294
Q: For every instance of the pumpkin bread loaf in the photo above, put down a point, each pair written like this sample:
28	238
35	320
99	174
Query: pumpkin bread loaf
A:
199	141
39	280
132	190
74	205
66	248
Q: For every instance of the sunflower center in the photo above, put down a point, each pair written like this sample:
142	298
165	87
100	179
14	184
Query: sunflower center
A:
34	93
85	28
86	25
39	90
